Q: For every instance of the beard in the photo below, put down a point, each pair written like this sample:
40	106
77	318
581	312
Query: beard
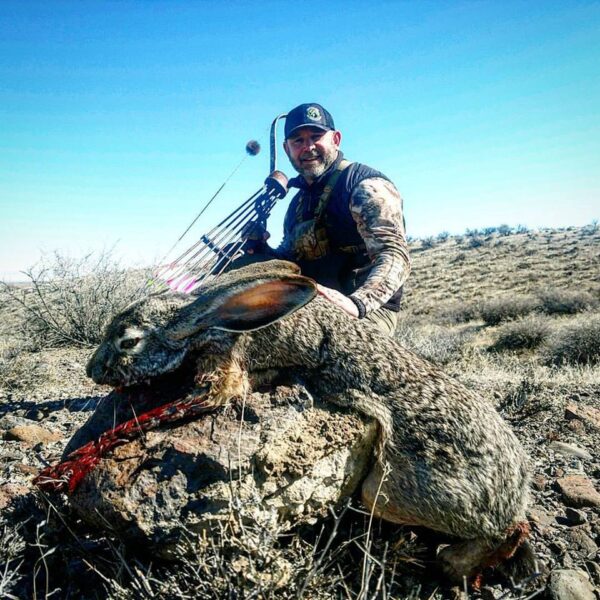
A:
315	168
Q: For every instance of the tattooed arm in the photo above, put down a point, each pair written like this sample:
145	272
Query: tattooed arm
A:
376	207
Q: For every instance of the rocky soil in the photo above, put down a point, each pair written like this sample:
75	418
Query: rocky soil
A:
47	550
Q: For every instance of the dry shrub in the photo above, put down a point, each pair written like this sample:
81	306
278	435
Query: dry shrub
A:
565	302
13	370
12	547
68	302
508	308
457	311
348	555
523	334
576	343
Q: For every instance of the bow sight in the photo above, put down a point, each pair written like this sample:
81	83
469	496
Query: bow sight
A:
218	248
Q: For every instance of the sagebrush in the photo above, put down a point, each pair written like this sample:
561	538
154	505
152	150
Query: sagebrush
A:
68	302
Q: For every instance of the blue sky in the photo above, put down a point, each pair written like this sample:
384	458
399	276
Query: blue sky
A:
118	120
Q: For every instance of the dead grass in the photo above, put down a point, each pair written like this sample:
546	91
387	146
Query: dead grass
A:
577	342
68	302
436	343
565	302
521	263
527	333
451	281
507	308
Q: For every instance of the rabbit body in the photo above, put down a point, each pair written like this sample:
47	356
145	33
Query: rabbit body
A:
445	459
453	464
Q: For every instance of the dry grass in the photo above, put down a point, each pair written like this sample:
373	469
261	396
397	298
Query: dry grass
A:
520	264
565	302
12	548
454	278
577	342
240	558
527	333
507	308
436	343
68	302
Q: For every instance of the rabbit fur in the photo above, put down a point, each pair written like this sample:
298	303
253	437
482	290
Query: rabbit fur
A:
445	459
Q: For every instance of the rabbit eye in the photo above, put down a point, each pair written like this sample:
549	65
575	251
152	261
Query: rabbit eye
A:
129	343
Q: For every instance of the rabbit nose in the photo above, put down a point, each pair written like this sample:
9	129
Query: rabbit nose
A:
97	366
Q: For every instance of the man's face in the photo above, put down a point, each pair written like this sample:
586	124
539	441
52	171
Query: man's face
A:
312	151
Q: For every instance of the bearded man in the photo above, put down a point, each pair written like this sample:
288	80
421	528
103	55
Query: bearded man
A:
344	227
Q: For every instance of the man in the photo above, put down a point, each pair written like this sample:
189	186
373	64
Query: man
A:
344	227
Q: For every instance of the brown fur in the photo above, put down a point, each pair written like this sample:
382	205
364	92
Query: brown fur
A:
451	462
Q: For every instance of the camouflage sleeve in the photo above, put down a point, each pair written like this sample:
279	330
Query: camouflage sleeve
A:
376	207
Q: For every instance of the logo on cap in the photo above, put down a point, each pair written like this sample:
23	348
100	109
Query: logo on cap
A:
313	113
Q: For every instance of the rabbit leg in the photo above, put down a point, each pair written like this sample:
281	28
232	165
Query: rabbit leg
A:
469	558
226	381
376	498
465	559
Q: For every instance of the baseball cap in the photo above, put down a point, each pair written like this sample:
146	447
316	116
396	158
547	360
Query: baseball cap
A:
308	115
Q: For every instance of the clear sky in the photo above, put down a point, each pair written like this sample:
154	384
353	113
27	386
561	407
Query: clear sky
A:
118	120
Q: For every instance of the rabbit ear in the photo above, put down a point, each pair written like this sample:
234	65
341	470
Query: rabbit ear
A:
247	306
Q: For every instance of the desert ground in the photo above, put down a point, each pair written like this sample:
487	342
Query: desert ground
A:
511	313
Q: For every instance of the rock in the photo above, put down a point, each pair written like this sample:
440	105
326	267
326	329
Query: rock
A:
26	469
10	421
593	569
558	546
9	492
35	414
570	450
575	517
539	482
588	414
580	540
578	491
540	518
490	593
285	464
576	426
570	585
31	435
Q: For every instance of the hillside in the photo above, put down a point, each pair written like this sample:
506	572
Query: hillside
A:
477	267
514	316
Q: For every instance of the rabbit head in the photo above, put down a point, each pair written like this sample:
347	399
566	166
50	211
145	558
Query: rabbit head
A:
152	336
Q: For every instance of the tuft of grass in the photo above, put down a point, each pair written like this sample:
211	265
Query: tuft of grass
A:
565	302
12	369
456	312
508	308
577	343
475	242
526	333
12	549
244	556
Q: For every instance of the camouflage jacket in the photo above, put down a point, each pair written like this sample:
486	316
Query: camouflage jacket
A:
364	212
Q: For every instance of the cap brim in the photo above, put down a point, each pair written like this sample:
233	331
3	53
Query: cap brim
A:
305	125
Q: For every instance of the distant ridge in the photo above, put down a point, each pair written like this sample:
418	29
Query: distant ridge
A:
477	266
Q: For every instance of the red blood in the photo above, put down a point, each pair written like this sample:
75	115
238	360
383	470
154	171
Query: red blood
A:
66	476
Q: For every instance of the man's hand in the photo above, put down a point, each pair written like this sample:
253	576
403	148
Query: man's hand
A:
338	299
255	236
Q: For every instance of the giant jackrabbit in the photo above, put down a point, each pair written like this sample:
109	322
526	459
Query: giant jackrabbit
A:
445	460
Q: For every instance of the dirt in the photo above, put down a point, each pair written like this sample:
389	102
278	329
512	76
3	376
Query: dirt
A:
552	410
